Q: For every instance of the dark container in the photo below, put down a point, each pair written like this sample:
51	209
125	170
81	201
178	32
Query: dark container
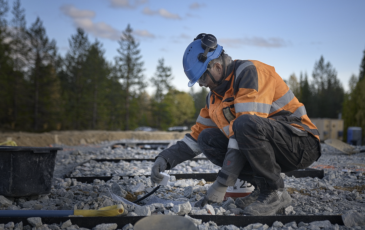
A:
26	171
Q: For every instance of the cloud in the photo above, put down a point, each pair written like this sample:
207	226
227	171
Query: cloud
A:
71	11
186	37
127	3
143	33
254	41
162	12
196	6
83	19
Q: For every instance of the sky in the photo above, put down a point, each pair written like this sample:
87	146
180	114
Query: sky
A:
289	35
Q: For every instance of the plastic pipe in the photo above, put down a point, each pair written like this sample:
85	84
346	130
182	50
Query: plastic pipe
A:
35	213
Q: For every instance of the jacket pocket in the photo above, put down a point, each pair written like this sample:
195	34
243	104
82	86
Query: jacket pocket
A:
228	109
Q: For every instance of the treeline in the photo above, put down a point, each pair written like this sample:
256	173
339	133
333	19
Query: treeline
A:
325	97
43	91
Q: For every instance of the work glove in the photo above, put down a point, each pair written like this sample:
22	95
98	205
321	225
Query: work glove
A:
215	194
159	166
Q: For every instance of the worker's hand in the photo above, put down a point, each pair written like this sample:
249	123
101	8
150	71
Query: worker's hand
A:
159	166
215	194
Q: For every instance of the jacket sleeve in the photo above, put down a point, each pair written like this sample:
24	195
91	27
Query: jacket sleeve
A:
203	121
183	150
254	91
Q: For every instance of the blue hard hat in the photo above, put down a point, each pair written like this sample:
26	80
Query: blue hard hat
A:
197	57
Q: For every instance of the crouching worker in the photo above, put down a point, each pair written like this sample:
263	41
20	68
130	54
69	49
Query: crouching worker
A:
252	126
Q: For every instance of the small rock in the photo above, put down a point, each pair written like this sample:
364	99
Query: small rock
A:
9	225
140	187
182	209
231	227
169	213
5	202
257	225
142	211
105	226
292	224
188	191
352	218
277	224
169	205
289	210
66	224
195	221
19	226
132	214
128	227
199	212
35	221
264	227
227	203
54	227
236	211
209	209
231	206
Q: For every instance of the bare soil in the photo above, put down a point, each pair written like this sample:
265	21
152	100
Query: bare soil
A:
73	138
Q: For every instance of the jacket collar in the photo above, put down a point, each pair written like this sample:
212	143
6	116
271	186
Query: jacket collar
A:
226	84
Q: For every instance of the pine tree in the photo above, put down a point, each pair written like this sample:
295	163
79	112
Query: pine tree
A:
129	69
328	90
6	68
362	68
306	95
294	85
42	76
353	106
74	81
97	70
20	51
162	83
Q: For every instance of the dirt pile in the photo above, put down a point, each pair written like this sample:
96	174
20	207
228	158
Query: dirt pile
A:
73	138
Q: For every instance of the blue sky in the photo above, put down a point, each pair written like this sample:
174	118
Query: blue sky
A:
289	35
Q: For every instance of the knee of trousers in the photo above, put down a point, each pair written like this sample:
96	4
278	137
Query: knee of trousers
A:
204	138
245	124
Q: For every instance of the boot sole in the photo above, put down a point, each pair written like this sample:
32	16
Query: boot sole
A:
277	210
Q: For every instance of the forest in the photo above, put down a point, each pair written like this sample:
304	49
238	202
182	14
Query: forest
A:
82	90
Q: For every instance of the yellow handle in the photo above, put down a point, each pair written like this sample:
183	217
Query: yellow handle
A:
9	143
114	210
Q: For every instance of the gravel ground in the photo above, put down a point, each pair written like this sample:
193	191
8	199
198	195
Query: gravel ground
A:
340	191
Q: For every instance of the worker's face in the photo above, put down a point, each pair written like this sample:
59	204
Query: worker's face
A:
206	81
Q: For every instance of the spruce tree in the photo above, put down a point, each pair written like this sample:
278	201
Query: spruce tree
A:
74	81
20	55
97	71
328	90
362	68
129	68
162	83
6	67
42	76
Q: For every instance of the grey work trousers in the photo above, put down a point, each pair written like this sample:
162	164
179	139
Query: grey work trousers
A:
270	147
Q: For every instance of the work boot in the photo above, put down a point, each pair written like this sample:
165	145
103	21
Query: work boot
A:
243	202
269	201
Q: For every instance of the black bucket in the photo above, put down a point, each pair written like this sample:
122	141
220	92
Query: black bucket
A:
26	171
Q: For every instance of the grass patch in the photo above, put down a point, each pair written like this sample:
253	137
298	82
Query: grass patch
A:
359	188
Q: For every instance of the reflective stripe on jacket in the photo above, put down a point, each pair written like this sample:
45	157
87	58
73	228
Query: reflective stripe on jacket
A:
252	87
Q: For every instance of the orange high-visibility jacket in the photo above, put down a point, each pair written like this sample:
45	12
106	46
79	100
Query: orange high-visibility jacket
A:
252	87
